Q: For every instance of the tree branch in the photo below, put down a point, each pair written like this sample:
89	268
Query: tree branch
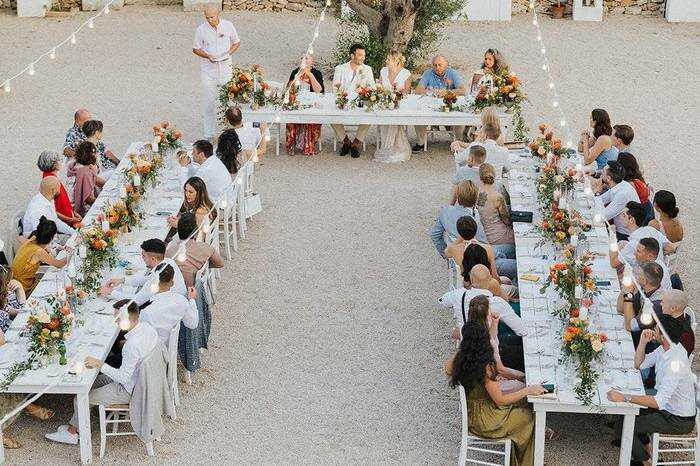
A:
371	17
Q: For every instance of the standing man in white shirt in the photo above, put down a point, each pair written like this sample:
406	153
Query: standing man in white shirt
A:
113	385
214	42
672	409
207	167
153	255
348	77
168	309
615	199
42	205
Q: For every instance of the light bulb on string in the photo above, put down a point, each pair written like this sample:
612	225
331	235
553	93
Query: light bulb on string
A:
106	9
91	24
267	138
31	71
73	40
328	3
223	203
569	143
182	254
6	86
551	85
534	21
539	37
154	286
532	4
323	16
124	323
646	317
555	104
316	34
627	276
675	365
255	158
562	123
543	50
310	50
544	67
239	180
277	119
52	54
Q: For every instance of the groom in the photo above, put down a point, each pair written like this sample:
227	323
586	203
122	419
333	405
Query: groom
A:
348	77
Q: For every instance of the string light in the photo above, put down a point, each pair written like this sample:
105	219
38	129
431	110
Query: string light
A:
551	85
31	71
544	66
91	24
555	103
52	54
107	9
73	40
182	253
6	86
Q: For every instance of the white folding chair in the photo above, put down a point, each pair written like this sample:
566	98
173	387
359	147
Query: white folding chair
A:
242	186
15	231
453	272
679	445
474	443
114	415
430	134
211	237
172	363
228	222
202	275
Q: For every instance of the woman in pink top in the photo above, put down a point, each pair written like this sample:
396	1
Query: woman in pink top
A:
85	190
495	213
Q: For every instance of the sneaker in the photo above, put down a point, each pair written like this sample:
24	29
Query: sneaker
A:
63	436
355	149
346	146
417	148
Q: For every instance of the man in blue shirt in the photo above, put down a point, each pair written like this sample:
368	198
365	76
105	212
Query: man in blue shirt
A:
436	81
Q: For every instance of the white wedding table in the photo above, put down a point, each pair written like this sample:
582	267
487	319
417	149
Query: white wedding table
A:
542	345
95	336
413	110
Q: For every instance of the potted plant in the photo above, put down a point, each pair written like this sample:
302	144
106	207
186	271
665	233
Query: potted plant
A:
558	8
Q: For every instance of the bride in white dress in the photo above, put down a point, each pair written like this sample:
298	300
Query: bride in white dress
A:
395	146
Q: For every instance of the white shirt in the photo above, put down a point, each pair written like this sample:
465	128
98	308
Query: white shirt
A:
349	79
634	237
216	42
145	279
675	392
140	341
214	174
499	305
615	199
40	206
167	310
496	155
399	81
249	136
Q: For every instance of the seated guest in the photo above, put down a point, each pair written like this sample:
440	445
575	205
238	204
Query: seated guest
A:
305	136
509	379
489	116
168	309
34	252
622	137
253	140
616	197
463	203
92	129
196	201
648	250
633	175
50	165
470	171
479	276
12	298
492	413
42	205
229	150
211	170
153	255
634	219
495	214
75	135
672	410
87	184
597	146
394	145
197	253
668	222
496	154
629	301
436	81
114	385
474	255
348	77
494	64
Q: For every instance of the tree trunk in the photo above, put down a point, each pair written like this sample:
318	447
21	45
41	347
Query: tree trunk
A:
393	24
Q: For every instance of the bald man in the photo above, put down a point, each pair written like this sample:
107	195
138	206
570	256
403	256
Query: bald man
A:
437	80
214	42
74	135
42	205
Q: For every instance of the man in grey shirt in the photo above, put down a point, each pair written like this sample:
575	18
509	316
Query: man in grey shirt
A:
464	203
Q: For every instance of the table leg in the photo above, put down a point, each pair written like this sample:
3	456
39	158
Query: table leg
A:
279	133
626	441
84	428
540	425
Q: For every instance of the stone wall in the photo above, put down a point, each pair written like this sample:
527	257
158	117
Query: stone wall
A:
271	5
610	7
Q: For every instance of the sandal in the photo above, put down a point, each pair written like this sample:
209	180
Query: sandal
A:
9	442
551	434
37	412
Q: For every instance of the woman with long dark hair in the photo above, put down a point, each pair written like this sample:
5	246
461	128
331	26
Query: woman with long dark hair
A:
492	413
668	222
634	176
34	252
228	149
597	146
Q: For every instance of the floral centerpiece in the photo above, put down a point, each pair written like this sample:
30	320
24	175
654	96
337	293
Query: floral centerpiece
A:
166	136
374	98
449	103
573	280
504	90
582	347
558	226
241	88
49	325
121	215
554	183
143	171
100	252
545	143
341	98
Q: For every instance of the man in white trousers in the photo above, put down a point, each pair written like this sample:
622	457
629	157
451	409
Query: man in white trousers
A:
214	42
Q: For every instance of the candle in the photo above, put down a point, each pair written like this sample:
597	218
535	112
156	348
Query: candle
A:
574	240
597	220
105	226
82	251
71	269
583	313
154	145
122	191
563	204
578	292
137	180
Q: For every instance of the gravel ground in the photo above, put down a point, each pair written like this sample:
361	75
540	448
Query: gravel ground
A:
327	345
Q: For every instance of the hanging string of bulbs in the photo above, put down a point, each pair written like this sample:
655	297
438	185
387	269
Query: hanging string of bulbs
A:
72	39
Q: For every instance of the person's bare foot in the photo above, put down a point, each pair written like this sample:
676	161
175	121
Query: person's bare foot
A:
10	442
37	412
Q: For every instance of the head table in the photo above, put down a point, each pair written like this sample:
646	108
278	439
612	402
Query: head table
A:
542	345
99	328
413	110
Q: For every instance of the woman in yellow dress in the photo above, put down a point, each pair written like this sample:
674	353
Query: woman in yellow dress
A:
34	252
492	413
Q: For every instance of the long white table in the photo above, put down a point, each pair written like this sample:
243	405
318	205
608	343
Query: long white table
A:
542	345
99	330
413	110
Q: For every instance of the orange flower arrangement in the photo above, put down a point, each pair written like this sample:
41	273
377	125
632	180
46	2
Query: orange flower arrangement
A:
583	347
546	143
566	276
